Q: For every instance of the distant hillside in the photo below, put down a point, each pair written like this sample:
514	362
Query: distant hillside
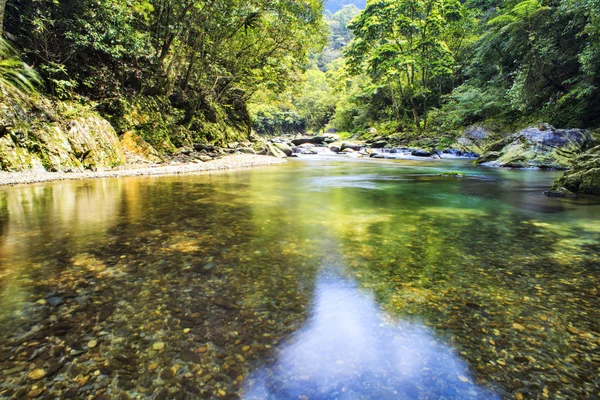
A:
336	5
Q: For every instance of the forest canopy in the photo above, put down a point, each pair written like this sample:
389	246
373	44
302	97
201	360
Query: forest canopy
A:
204	58
416	66
438	66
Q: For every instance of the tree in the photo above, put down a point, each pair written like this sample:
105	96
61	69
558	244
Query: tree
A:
204	59
401	46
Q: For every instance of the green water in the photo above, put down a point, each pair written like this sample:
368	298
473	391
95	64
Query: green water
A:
312	280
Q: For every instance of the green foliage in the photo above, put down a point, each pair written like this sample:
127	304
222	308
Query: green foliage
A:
467	105
273	121
203	61
401	45
447	65
16	77
339	35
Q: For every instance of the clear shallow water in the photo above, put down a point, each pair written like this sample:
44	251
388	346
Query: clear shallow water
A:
314	280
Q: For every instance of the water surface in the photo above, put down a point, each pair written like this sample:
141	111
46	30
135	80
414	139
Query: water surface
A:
312	280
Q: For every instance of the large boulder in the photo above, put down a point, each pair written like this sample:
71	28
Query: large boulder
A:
287	150
475	138
583	176
352	145
541	147
273	151
323	139
420	153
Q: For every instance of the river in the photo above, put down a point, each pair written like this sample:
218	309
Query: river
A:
319	279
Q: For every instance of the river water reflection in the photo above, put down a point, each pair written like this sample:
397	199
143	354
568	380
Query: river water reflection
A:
312	280
350	349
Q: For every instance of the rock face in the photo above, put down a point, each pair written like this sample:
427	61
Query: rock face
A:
134	144
584	175
47	140
541	147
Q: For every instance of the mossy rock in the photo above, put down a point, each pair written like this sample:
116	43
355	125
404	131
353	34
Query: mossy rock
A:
452	175
538	147
133	143
584	175
56	136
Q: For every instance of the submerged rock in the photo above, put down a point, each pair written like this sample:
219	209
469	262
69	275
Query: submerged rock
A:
560	192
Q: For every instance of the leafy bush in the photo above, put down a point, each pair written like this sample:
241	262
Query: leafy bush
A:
16	77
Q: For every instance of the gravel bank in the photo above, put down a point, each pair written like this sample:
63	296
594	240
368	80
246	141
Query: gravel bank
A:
228	162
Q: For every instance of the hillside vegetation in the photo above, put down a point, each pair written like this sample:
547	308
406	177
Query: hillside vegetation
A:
431	68
176	71
179	72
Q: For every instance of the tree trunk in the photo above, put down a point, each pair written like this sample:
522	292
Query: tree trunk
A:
2	8
415	111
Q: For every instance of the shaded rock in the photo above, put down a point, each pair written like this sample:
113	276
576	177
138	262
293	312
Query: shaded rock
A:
167	373
323	139
353	146
328	138
246	150
379	145
203	147
421	153
312	140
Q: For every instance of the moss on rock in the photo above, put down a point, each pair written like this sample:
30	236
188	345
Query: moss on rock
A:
56	136
135	144
538	147
584	175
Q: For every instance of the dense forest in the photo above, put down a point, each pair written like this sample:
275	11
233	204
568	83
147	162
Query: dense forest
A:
191	65
436	67
214	70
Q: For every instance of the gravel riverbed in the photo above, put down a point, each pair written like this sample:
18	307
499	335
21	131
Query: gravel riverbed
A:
170	168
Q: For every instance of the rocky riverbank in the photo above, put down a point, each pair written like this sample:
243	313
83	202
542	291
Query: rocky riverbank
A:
173	166
379	148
